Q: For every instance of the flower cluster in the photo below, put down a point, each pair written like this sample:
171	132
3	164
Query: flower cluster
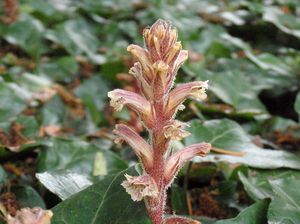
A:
157	104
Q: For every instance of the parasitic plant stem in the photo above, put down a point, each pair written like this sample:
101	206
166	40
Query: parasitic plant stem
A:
157	104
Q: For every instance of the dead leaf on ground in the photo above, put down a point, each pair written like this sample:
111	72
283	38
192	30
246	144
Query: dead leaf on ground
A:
50	130
10	203
14	139
11	9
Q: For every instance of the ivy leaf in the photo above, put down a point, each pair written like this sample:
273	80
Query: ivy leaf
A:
27	33
77	37
11	104
229	135
28	197
257	185
254	214
56	182
93	93
297	104
104	202
79	157
285	207
287	23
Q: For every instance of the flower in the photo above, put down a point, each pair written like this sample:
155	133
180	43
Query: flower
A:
141	148
140	187
139	104
178	95
174	130
176	161
31	216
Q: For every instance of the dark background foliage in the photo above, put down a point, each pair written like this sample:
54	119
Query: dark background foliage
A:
58	60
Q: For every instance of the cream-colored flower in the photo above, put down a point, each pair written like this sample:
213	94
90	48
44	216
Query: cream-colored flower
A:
140	187
31	216
138	103
175	130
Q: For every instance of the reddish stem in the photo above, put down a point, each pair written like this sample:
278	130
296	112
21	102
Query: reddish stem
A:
159	144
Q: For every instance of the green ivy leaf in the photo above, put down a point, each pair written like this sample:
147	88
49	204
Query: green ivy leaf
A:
56	182
285	207
229	135
77	156
104	202
27	33
11	104
28	197
254	214
257	185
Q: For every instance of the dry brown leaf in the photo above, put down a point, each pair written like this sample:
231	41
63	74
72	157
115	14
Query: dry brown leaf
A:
50	130
11	9
15	139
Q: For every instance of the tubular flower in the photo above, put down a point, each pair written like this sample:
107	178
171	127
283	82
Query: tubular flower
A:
157	103
140	187
139	104
141	148
176	161
178	95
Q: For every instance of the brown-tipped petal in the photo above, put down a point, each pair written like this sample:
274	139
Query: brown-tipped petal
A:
161	69
178	95
140	187
120	97
141	148
143	57
175	130
173	53
145	87
176	161
181	58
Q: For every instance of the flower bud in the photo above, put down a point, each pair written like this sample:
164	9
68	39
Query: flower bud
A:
159	39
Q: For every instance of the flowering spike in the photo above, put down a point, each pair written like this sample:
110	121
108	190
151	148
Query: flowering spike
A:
176	161
141	148
140	187
155	71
